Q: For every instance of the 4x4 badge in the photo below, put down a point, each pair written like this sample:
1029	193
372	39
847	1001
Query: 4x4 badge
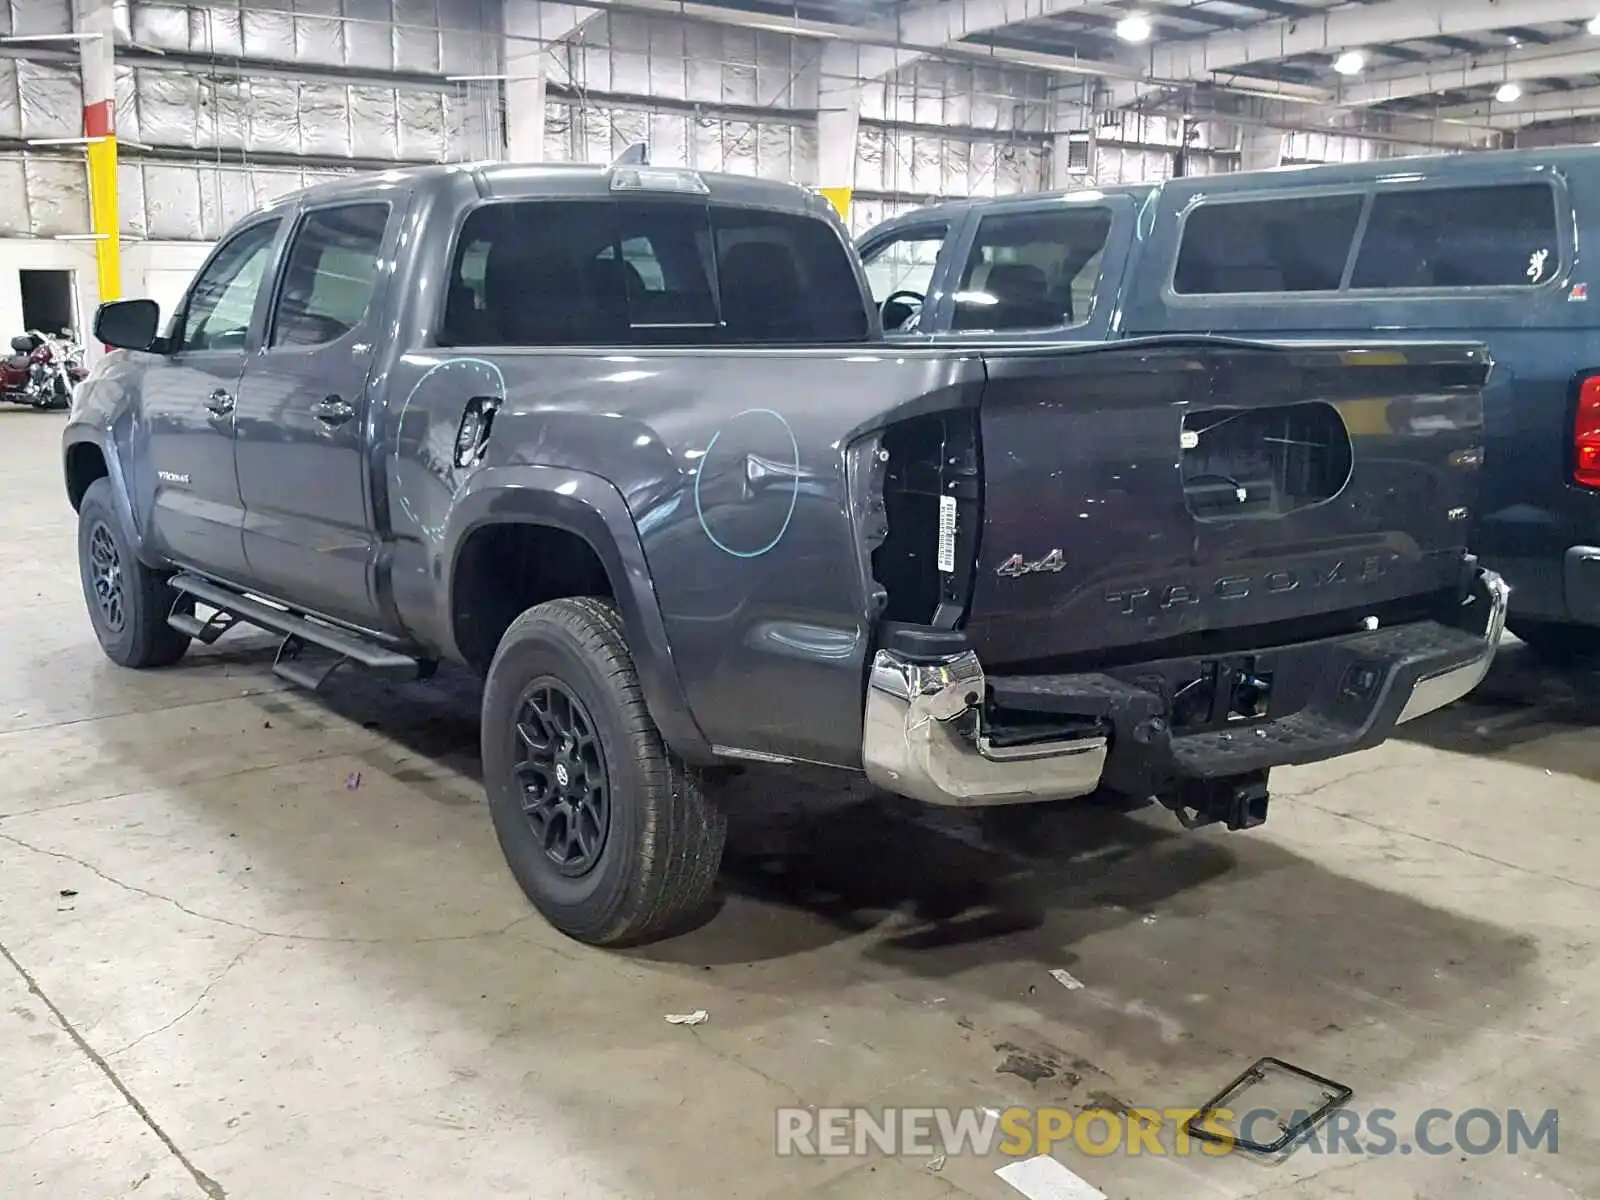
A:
1017	565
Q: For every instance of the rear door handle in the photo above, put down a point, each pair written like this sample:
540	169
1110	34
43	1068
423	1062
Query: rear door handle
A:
219	403
332	410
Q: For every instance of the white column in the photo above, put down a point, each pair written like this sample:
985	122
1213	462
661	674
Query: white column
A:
1259	149
1070	112
525	97
838	116
531	28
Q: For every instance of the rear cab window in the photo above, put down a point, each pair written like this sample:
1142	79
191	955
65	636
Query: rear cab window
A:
594	272
1433	237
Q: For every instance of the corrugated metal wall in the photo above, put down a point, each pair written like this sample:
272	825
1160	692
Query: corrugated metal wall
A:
936	130
1140	148
260	85
40	193
694	91
239	102
35	16
226	103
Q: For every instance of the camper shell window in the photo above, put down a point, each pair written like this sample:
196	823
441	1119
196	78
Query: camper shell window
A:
1499	235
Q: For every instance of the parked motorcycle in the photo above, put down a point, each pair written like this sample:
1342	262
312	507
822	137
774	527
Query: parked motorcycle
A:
41	370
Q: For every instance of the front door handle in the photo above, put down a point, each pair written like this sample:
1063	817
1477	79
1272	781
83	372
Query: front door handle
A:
219	403
332	410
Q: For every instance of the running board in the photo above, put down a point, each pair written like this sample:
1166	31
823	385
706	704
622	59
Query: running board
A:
298	633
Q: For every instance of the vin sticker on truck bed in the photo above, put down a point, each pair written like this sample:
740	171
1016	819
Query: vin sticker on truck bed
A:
947	534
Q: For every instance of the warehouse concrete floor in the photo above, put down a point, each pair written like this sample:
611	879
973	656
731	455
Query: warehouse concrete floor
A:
261	944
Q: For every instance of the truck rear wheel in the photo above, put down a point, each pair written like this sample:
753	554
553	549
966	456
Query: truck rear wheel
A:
610	836
128	602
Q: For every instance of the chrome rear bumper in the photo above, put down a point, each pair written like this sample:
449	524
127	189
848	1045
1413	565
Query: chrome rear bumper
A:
924	734
1446	687
924	739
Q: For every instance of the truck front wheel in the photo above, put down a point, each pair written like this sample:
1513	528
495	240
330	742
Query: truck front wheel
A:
611	837
128	602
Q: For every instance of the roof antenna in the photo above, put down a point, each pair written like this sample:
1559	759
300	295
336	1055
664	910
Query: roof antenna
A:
636	155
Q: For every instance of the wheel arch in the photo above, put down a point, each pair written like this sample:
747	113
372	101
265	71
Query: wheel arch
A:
88	455
570	509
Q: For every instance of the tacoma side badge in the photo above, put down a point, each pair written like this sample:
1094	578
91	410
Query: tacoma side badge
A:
1016	565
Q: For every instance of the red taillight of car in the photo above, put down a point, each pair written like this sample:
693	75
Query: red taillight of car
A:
1586	434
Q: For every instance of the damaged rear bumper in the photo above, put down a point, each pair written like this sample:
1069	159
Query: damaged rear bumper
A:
937	729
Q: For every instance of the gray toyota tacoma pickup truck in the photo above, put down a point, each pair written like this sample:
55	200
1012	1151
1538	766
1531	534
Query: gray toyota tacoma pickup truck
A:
628	441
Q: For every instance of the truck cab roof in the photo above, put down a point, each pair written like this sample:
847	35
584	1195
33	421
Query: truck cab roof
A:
508	181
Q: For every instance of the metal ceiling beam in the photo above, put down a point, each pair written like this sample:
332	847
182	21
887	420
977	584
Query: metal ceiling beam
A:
941	23
1474	70
1347	27
1544	106
890	37
1412	131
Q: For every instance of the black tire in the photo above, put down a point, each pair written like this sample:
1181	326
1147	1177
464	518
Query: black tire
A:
655	861
128	602
1557	642
58	396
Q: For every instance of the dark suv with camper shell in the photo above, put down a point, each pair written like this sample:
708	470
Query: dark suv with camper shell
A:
1493	247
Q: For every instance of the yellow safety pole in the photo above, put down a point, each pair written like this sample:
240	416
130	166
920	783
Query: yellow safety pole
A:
97	27
99	128
839	197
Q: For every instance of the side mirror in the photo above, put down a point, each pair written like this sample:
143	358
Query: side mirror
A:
128	324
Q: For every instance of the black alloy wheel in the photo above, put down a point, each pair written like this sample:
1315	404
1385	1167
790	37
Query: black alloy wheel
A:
566	795
606	830
128	602
105	572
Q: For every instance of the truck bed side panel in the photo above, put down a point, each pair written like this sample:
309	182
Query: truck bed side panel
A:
732	464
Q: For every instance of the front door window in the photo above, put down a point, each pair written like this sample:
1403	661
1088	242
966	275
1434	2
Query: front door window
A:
900	272
217	316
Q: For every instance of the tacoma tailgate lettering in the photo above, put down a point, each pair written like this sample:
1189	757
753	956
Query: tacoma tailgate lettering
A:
1132	600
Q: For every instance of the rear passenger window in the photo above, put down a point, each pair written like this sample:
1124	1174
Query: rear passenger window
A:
332	271
1035	270
602	272
1493	236
1298	244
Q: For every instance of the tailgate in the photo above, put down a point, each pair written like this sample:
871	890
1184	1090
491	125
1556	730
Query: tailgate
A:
1167	487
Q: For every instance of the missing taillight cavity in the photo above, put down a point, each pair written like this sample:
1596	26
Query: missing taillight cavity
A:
930	496
1586	434
1263	462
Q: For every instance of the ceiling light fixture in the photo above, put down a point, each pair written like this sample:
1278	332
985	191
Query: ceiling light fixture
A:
1135	27
1351	62
1509	93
